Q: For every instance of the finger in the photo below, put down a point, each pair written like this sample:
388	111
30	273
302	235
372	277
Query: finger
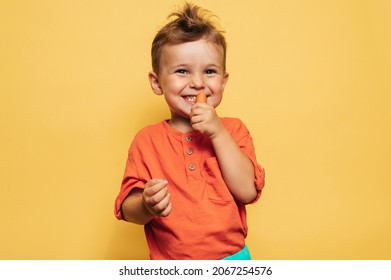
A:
152	182
158	197
153	186
152	198
196	119
200	106
166	211
156	204
162	205
197	126
201	110
197	112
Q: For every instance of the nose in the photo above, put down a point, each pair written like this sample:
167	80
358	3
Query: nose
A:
197	81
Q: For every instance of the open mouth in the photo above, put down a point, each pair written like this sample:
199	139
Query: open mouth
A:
190	99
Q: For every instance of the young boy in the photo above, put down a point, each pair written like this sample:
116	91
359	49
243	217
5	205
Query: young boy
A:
188	179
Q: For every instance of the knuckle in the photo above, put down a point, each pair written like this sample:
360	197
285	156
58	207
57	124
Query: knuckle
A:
150	201
159	208
153	201
164	214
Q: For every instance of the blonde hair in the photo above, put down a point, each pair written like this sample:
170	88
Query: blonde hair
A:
189	24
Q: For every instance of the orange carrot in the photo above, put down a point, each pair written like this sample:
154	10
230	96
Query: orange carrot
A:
201	97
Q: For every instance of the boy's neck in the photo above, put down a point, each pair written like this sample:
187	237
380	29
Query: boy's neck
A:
180	123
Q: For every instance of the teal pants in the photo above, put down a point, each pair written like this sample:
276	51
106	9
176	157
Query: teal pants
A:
243	254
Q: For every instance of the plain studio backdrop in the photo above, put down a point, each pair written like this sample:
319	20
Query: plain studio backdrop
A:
310	79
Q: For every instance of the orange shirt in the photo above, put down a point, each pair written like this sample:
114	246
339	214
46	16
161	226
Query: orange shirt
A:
206	222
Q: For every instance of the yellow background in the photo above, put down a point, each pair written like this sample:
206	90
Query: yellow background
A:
311	80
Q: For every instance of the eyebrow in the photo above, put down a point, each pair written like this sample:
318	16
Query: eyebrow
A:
187	65
214	65
177	66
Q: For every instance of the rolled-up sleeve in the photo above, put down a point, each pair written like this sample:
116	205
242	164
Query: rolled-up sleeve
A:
129	182
242	136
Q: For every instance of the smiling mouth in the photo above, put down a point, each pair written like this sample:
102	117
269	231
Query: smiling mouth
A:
190	99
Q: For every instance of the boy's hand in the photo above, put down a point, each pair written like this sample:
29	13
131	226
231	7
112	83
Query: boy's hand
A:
203	117
156	197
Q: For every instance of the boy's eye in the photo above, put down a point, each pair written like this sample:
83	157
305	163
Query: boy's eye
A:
181	71
210	72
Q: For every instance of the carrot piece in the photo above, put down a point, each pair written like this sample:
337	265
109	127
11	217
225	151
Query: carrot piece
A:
201	97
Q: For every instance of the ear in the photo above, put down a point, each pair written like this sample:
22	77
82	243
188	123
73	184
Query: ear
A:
225	79
154	81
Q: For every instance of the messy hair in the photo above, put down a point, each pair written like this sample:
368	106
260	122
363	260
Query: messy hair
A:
189	24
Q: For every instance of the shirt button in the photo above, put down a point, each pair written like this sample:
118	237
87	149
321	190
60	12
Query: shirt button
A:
189	151
189	138
192	167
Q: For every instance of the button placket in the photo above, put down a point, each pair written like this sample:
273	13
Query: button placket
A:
190	157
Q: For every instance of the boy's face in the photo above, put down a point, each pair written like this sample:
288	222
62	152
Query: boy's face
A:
187	69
